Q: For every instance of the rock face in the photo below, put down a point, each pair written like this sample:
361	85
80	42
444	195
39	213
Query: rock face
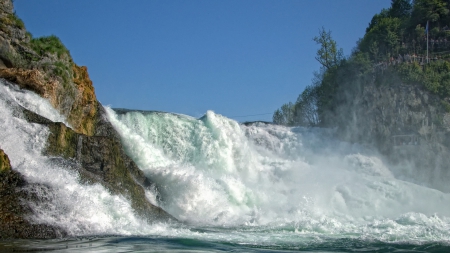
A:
82	112
406	123
44	66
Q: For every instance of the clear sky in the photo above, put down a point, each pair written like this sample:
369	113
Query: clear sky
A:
236	58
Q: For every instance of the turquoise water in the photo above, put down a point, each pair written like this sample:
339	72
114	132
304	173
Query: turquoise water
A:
164	244
232	187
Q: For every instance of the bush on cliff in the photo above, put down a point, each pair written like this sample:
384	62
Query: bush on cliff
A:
49	44
11	19
435	77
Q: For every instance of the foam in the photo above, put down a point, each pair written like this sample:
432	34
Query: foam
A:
259	184
214	172
79	209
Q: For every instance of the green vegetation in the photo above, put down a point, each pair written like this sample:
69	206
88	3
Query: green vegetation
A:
34	50
61	69
285	115
11	20
393	50
14	20
328	55
52	45
435	76
49	44
62	141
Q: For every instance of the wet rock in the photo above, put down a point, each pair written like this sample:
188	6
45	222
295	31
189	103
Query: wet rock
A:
4	162
14	208
101	159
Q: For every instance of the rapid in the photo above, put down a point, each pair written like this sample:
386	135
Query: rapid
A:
253	185
277	183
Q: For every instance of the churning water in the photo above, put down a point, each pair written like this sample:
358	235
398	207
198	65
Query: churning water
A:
234	187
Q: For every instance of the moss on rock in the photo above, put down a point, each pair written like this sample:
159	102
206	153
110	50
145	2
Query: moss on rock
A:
84	113
5	165
62	141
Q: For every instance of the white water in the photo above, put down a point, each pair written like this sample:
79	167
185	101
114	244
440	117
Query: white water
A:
259	184
79	209
214	172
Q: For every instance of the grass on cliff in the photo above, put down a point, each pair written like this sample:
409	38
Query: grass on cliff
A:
49	44
12	19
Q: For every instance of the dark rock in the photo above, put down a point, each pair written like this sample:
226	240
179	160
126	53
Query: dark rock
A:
250	123
14	210
104	156
103	160
35	118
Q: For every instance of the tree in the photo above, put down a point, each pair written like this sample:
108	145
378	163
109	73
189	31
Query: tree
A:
306	110
284	115
277	117
429	10
386	35
328	54
400	8
376	19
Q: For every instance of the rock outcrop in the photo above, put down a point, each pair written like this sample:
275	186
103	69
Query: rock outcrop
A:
407	123
102	160
44	66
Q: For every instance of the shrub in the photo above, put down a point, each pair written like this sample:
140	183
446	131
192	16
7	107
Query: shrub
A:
12	20
17	22
49	44
435	77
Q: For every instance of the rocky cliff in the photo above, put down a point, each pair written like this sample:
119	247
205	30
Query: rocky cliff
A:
45	66
89	142
407	123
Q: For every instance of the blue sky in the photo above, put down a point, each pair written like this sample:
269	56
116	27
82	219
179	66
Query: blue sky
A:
236	58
